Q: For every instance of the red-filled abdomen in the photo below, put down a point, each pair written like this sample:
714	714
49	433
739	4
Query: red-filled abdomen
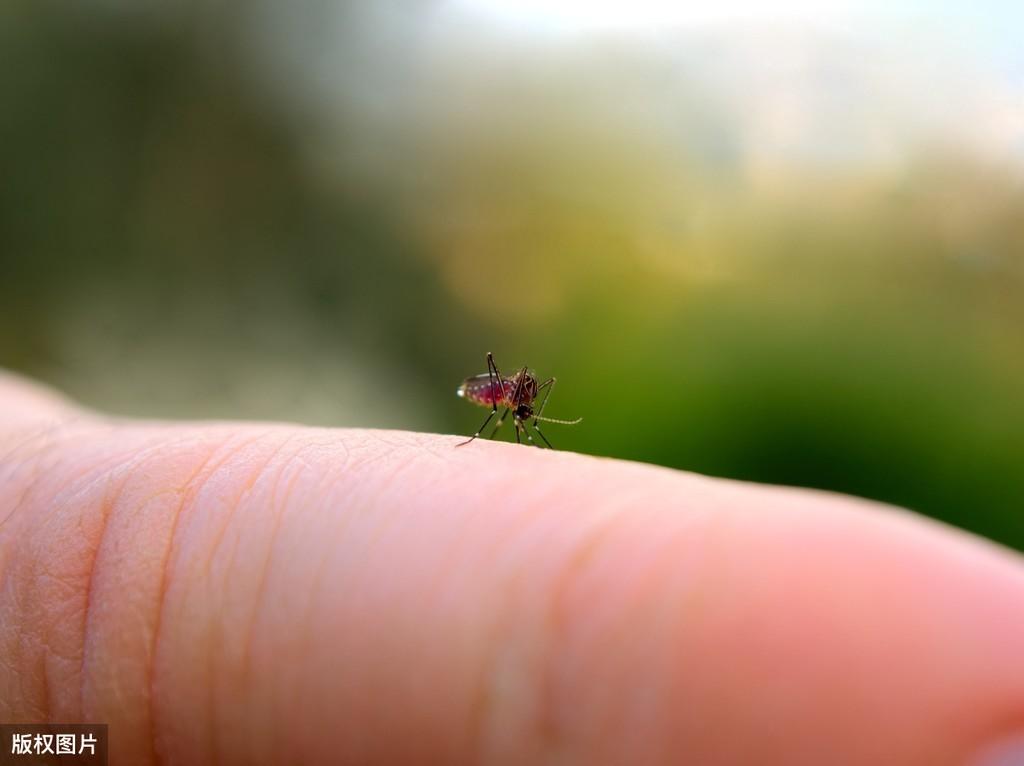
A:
484	390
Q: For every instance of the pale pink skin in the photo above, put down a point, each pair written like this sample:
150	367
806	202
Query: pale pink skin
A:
251	593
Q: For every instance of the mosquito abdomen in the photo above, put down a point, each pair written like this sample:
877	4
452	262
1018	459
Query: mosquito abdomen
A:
484	390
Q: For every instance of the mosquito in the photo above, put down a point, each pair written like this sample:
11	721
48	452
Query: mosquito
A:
516	393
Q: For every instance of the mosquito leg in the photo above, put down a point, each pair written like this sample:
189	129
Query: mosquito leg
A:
541	435
549	384
497	394
492	373
491	365
526	430
498	424
481	428
518	440
518	390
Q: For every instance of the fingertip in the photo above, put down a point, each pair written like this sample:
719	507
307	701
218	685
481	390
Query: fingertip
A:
786	626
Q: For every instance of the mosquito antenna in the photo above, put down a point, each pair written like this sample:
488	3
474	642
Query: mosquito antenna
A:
556	420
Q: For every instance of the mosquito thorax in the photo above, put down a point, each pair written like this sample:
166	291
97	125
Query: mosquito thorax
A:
527	388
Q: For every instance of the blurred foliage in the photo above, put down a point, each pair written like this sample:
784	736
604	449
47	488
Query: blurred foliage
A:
195	220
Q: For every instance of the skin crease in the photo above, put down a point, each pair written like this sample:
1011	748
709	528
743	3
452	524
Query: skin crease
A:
260	594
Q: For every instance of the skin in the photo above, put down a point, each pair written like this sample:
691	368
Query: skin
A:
253	593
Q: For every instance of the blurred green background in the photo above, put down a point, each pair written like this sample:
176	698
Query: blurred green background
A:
773	242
